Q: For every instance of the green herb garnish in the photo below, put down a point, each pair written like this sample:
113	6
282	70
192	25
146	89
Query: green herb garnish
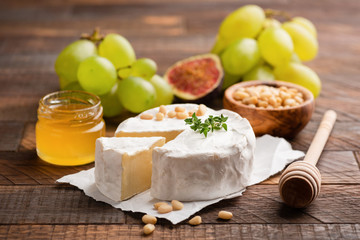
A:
210	124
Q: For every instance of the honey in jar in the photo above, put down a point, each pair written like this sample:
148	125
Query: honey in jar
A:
68	124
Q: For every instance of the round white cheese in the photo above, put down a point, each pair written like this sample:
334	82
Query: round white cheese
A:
194	167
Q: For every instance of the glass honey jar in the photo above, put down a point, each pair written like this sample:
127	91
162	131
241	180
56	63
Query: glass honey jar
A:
68	124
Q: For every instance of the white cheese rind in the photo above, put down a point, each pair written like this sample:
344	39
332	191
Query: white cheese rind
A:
192	167
118	157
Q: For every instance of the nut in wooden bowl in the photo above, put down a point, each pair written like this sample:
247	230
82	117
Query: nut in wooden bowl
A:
272	107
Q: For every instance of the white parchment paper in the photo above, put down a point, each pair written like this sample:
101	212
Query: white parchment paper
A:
272	154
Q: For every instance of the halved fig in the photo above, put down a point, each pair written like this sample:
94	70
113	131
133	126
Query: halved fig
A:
195	77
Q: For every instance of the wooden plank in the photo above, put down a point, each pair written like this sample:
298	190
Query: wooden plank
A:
260	204
339	167
20	84
345	136
19	109
25	168
204	231
11	134
336	167
53	205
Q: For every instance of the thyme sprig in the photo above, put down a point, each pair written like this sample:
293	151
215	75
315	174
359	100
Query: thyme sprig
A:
210	124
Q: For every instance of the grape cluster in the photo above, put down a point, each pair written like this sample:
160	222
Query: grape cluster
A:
108	68
253	45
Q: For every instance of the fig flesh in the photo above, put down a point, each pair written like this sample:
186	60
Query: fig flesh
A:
195	77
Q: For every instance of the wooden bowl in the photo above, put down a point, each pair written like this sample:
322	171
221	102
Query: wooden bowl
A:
285	122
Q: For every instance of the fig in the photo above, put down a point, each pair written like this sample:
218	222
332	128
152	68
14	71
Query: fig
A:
195	77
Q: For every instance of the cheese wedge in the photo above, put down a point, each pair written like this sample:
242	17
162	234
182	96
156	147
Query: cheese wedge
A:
123	166
169	128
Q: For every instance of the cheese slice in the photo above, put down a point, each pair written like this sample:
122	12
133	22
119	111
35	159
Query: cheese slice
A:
123	166
193	167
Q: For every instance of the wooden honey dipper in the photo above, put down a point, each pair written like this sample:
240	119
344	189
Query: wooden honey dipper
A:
300	183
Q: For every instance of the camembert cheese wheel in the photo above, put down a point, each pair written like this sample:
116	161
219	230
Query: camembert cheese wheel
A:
191	166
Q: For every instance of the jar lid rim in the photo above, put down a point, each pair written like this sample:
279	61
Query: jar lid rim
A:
95	103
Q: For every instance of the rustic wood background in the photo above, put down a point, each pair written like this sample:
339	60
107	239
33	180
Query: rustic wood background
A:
33	206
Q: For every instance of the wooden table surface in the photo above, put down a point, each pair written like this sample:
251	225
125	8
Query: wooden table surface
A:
33	206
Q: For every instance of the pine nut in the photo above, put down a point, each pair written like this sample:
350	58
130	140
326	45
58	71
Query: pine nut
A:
201	110
265	95
195	220
251	100
179	109
164	208
181	115
146	116
225	215
149	228
284	95
149	219
177	205
159	116
171	114
289	102
158	204
283	88
272	101
299	99
263	104
162	109
238	95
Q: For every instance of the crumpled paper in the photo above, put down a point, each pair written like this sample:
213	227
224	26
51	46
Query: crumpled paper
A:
272	154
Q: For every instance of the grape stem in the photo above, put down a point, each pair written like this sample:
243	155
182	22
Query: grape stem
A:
121	68
96	37
270	13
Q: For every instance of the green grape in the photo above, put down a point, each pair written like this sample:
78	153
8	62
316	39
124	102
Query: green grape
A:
259	72
295	58
299	74
63	82
229	80
124	72
118	50
240	56
164	93
246	21
144	68
306	24
136	94
67	62
276	46
271	22
97	75
305	44
218	46
111	103
73	86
